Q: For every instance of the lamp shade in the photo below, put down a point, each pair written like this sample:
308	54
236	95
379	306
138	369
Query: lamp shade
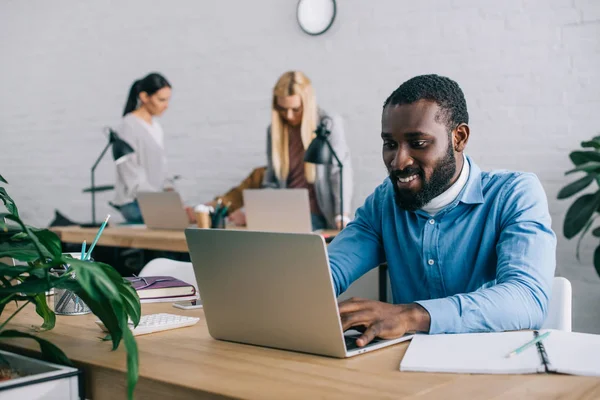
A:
120	148
318	151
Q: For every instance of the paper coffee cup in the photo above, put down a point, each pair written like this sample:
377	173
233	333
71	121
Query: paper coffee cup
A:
203	215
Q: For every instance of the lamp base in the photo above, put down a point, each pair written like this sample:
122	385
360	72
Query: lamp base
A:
90	225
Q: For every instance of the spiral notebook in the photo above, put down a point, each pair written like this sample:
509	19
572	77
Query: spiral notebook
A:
486	353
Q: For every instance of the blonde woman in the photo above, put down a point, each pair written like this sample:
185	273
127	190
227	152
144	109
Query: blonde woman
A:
294	118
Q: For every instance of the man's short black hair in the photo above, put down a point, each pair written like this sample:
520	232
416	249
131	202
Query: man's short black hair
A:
444	91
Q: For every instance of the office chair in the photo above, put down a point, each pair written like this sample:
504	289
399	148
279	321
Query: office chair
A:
559	308
184	271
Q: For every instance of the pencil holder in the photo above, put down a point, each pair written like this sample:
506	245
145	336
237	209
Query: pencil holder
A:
218	221
67	302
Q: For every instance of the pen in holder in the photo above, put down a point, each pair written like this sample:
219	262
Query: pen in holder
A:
211	217
219	215
67	302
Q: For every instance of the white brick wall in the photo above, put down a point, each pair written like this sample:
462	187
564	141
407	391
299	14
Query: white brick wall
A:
530	71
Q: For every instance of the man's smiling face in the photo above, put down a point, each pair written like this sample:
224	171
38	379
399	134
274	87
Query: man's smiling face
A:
418	152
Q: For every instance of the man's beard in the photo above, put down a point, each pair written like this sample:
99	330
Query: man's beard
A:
437	184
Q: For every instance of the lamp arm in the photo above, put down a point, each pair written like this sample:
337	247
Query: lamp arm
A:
101	155
93	187
333	153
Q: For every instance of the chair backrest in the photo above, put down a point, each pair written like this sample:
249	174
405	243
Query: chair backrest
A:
559	309
181	270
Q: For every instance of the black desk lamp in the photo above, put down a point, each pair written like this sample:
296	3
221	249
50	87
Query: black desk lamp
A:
320	152
120	149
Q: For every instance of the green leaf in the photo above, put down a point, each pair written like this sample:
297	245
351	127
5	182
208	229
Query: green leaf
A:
132	362
3	226
50	352
23	250
597	260
42	281
38	246
575	187
3	180
581	235
29	286
8	202
50	241
580	157
595	143
590	166
112	299
11	271
103	309
41	307
131	301
579	214
596	232
99	290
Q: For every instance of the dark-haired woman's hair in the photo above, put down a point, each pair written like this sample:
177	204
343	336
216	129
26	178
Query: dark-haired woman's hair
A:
150	84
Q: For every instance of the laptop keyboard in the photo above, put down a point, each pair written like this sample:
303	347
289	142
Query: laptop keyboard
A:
351	341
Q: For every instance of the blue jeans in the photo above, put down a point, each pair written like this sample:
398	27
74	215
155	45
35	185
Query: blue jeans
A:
131	212
318	222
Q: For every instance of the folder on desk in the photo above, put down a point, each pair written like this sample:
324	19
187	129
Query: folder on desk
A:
486	353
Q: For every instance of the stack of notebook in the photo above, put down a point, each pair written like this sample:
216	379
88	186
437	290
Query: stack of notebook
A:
155	289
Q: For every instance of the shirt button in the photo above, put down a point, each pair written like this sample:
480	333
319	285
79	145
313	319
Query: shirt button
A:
432	221
430	262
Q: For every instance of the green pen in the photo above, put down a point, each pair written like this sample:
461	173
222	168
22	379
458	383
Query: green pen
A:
528	344
224	209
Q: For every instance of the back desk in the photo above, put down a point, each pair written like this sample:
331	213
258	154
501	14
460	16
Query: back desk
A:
167	240
134	237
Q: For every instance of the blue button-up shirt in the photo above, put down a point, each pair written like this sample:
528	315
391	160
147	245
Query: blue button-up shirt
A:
483	263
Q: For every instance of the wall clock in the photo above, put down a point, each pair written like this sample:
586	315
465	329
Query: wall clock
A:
315	17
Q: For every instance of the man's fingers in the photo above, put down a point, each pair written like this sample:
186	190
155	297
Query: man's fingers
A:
352	304
369	335
358	318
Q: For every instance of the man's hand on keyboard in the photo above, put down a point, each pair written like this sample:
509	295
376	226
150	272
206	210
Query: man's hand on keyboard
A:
384	320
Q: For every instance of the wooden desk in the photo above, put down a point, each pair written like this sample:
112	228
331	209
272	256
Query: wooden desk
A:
189	364
126	236
132	237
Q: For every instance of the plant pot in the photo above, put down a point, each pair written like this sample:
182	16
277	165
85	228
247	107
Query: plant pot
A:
66	302
39	380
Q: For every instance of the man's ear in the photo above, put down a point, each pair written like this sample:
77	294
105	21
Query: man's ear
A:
460	137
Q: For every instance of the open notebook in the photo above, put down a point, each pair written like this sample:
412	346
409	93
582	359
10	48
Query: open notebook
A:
486	353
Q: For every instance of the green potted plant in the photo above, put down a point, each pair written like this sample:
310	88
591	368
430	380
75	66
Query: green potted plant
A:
586	208
110	297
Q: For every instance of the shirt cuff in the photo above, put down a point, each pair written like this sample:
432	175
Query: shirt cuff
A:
443	315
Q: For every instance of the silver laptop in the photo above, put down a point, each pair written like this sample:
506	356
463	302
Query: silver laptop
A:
277	210
163	210
271	289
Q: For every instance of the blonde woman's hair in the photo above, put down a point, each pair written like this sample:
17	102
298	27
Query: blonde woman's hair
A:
289	84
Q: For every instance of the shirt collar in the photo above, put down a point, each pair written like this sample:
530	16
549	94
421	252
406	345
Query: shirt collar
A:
472	192
446	198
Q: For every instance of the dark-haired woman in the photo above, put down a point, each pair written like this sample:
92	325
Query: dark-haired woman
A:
146	168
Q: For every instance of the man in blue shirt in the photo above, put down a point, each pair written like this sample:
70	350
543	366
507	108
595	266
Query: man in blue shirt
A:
467	251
